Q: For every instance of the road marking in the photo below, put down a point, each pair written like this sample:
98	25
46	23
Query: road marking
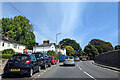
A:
89	75
77	64
80	68
44	71
41	73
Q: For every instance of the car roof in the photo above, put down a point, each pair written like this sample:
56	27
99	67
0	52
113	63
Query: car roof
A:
21	54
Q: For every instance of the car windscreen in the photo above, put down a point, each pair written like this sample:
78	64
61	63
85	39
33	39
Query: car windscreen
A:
19	58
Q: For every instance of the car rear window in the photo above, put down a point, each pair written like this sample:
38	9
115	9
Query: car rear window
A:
37	55
70	57
19	58
66	58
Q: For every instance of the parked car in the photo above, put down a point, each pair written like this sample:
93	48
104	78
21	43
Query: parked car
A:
77	58
62	57
69	60
22	64
84	59
53	60
42	59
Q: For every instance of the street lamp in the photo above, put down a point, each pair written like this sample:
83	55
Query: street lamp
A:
56	37
56	40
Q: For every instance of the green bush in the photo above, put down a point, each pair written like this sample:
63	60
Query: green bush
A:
5	56
8	51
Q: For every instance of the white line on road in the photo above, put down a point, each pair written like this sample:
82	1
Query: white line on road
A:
44	71
80	68
41	73
89	75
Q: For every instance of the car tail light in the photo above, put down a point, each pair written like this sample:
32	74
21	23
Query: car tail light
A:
27	62
42	59
7	62
73	60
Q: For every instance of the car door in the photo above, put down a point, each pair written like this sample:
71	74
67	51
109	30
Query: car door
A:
34	62
55	60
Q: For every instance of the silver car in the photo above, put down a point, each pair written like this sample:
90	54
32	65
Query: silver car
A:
77	58
69	60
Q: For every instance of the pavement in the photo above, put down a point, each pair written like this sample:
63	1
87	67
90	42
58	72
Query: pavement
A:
83	70
105	66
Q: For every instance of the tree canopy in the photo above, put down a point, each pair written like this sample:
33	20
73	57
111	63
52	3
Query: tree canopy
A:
19	29
101	45
69	42
91	51
70	51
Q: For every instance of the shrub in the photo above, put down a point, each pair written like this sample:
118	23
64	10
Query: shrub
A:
6	56
8	51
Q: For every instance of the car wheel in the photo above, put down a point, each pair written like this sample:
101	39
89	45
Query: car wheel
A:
30	73
39	68
45	66
49	65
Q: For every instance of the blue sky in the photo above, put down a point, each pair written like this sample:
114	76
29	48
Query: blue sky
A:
81	21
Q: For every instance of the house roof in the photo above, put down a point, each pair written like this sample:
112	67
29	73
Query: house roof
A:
4	38
45	45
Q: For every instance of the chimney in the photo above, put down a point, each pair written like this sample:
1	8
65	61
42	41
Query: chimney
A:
46	42
6	35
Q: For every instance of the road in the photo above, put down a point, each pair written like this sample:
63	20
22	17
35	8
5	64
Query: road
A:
83	70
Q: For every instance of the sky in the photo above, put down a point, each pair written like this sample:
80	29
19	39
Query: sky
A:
81	21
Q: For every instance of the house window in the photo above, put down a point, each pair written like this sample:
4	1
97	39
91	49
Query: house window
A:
2	44
15	46
8	44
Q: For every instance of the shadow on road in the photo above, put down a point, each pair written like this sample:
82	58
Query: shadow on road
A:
13	76
66	65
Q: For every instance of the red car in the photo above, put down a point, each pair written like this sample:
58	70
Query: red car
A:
84	59
53	60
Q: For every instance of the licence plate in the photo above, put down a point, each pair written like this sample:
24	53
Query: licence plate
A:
15	70
69	60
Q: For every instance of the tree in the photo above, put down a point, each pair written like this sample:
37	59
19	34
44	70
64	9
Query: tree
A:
70	51
117	47
51	53
101	45
91	51
19	29
69	42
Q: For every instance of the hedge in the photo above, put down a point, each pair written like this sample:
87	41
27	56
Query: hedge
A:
8	51
5	56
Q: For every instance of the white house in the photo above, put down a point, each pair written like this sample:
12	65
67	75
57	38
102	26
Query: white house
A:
46	46
8	43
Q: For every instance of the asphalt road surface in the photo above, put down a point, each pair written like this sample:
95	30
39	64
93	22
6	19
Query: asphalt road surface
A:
82	70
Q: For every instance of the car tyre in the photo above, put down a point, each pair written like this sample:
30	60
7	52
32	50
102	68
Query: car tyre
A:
45	66
49	65
30	73
39	68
